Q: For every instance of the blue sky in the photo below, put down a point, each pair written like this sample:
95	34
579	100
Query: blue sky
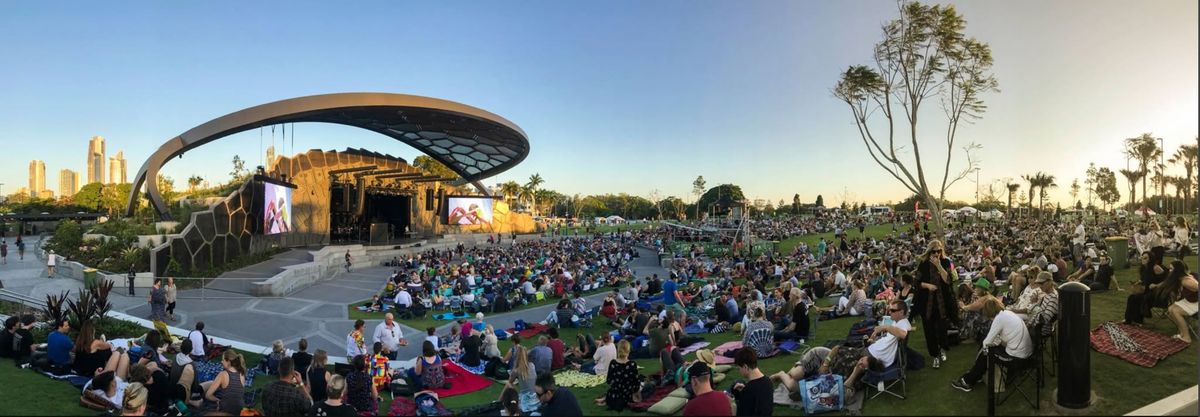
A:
615	96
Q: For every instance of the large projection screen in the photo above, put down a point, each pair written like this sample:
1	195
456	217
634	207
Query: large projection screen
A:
277	209
468	211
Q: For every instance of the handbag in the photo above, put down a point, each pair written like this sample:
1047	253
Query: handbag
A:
823	393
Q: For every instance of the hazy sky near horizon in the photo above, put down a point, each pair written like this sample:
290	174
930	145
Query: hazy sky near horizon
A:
619	96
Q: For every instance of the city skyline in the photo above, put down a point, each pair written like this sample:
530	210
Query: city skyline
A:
662	91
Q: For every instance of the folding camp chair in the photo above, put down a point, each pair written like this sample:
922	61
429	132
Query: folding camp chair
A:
891	376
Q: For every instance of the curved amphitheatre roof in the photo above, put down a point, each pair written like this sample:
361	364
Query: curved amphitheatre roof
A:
472	142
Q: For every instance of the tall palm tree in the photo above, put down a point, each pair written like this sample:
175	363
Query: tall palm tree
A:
1032	179
1012	188
535	180
1044	181
1132	177
1186	155
1145	150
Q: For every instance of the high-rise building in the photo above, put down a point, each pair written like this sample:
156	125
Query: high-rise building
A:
46	194
270	157
116	169
37	177
68	182
95	160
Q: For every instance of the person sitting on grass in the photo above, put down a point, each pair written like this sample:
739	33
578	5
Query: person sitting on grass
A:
491	343
332	406
755	393
134	400
1181	290
58	350
450	344
556	401
1008	330
706	401
317	377
381	375
224	393
286	396
302	359
558	350
814	362
428	372
681	376
522	377
542	356
360	390
162	393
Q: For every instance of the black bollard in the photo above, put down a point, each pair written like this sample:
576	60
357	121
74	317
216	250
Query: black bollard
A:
1074	346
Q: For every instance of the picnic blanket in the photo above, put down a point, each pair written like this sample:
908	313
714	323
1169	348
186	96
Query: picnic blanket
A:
719	352
695	328
658	395
477	370
1153	346
576	379
694	347
531	331
461	381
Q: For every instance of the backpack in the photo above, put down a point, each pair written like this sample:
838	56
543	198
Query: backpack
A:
429	405
859	332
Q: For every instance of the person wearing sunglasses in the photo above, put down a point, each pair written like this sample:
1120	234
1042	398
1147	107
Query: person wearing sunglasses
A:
556	401
934	301
883	343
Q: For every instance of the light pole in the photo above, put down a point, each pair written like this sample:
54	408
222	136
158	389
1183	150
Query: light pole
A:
977	186
1162	173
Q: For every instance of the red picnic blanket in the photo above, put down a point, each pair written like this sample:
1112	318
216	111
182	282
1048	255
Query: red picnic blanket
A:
531	331
1155	346
659	394
461	381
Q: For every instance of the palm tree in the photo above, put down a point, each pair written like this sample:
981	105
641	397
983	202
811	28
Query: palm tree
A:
193	182
1145	150
1032	179
531	189
1044	181
1012	188
511	190
1186	155
1132	177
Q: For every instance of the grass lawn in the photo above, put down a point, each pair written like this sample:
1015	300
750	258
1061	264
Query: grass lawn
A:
876	231
929	390
428	320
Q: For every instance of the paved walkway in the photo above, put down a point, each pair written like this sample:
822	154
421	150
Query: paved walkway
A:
317	313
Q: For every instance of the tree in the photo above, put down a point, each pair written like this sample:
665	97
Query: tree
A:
1044	181
1033	184
820	201
1186	155
89	196
1090	181
193	182
114	197
239	169
1145	150
1132	177
1012	188
510	190
1106	187
924	53
1075	192
719	194
531	187
698	190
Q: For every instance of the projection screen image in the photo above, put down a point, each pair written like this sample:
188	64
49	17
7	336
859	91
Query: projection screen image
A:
469	210
277	209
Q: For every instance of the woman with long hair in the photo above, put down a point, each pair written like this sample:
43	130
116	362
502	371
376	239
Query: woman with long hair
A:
623	380
1151	275
225	393
1181	290
92	354
934	302
523	378
318	376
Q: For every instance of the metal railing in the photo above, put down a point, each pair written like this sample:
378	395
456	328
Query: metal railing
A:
199	288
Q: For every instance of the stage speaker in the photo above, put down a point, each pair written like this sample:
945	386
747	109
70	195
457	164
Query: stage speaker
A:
428	199
441	195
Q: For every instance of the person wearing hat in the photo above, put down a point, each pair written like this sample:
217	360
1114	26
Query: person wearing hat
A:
682	378
974	325
706	402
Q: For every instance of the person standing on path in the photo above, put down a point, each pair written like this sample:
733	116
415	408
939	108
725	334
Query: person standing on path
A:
171	292
389	334
4	252
158	301
20	248
348	261
131	277
50	261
